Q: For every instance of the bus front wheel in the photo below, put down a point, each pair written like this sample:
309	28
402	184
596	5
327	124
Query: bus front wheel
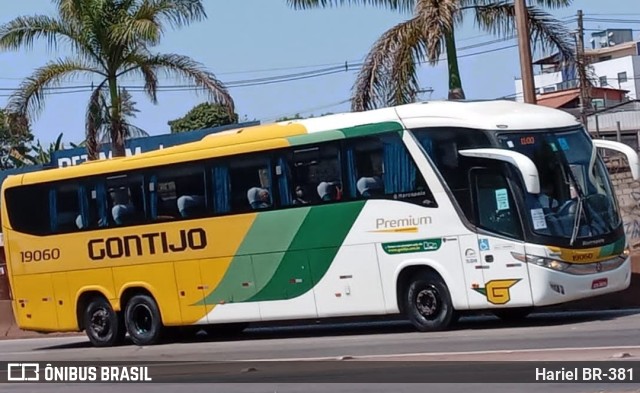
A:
102	324
428	302
142	319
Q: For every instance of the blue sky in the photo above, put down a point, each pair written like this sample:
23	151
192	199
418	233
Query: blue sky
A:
242	38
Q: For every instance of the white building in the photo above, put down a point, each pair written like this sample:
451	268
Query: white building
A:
611	65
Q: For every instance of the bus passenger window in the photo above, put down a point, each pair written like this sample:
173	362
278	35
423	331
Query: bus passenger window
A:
126	203
32	199
495	206
67	208
314	173
381	167
180	193
250	183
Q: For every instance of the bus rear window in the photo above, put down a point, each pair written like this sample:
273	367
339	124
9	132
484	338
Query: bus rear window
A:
29	209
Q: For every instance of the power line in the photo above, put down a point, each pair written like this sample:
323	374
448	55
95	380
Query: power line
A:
601	14
355	63
566	20
283	68
288	68
293	113
601	29
272	79
613	21
331	69
76	90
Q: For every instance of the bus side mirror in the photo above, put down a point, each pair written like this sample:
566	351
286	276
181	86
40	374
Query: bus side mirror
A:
632	156
527	168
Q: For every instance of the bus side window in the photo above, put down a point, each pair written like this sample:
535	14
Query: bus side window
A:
250	181
67	207
179	193
95	207
32	199
381	167
494	204
126	200
314	174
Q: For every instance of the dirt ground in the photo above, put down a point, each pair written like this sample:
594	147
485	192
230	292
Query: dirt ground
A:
630	298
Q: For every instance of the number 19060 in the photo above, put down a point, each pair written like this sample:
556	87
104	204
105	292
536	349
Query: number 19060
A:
40	255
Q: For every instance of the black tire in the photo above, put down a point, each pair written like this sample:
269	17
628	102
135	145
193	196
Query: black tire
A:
428	302
143	321
513	314
103	326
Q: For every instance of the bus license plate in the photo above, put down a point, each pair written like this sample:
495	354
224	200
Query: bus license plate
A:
599	283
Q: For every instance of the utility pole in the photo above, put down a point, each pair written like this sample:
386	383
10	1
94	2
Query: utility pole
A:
582	71
524	47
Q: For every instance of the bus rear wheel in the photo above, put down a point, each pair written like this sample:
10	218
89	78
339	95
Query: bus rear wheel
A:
428	302
103	326
142	319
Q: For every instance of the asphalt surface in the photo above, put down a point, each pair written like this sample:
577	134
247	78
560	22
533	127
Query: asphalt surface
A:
313	355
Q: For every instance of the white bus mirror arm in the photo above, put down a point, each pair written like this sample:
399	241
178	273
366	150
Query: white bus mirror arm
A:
632	156
527	168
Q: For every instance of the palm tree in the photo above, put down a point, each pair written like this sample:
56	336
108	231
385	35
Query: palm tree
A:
103	117
389	73
110	39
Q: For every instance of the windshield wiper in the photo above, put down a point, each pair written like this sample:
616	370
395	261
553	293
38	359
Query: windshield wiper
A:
581	198
579	208
576	221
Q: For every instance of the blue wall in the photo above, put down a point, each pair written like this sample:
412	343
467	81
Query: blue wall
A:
78	155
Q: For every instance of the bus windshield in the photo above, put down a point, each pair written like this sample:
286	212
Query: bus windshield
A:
576	199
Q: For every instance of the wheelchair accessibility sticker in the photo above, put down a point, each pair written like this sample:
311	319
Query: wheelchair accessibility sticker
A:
483	244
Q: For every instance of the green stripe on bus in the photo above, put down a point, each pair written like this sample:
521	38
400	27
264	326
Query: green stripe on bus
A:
372	129
273	231
258	256
312	251
316	137
349	132
613	248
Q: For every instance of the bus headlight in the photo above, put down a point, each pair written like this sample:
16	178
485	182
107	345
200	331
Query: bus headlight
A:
549	263
573	268
626	252
541	261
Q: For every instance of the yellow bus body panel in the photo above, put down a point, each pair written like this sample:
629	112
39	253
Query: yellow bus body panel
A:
175	280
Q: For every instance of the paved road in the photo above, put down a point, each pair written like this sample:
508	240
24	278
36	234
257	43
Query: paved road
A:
603	336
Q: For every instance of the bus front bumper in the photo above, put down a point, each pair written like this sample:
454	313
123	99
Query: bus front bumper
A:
550	287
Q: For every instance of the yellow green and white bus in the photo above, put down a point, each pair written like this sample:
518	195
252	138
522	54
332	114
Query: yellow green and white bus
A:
427	210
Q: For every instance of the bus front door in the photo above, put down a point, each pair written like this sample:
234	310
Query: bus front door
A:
499	241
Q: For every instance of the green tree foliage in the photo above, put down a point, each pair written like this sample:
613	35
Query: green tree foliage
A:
40	155
286	118
297	116
109	40
205	115
102	117
15	140
389	75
